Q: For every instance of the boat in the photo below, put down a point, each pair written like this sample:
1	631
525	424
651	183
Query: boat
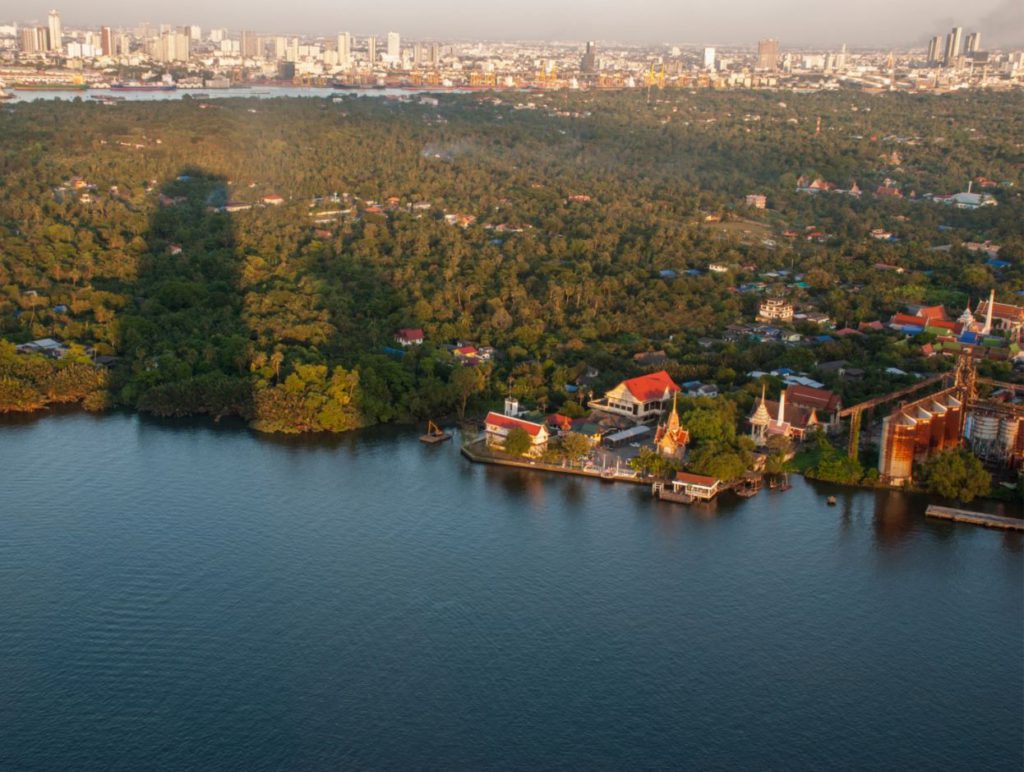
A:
137	86
435	434
608	475
831	501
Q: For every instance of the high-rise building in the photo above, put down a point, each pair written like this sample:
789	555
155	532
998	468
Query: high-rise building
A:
589	62
709	58
106	41
217	35
974	42
371	49
33	40
56	32
172	46
435	55
417	55
840	62
250	45
954	46
935	52
281	48
394	46
768	54
344	49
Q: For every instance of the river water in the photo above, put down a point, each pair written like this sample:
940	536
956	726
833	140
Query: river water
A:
256	92
183	596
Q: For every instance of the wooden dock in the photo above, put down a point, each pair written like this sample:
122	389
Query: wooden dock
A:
975	518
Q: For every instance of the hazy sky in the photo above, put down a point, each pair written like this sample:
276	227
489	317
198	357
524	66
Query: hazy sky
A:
793	22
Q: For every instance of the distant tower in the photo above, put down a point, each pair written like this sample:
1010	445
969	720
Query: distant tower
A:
954	46
394	46
588	65
974	42
709	58
371	49
987	329
935	50
344	49
768	55
56	32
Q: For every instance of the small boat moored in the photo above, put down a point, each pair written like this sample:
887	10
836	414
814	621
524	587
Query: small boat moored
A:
831	501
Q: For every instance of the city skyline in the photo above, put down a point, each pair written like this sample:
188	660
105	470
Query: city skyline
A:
736	22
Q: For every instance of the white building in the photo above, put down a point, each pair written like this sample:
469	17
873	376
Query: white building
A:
640	399
344	49
56	32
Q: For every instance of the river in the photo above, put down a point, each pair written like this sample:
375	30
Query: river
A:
182	596
256	92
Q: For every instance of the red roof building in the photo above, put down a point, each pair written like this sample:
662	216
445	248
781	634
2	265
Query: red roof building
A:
641	398
409	336
498	426
825	403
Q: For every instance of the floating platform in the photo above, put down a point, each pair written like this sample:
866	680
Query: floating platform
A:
433	438
434	435
975	518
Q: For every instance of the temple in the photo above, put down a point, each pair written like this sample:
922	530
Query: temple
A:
671	438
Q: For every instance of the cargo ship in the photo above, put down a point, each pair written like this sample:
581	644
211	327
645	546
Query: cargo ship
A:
137	86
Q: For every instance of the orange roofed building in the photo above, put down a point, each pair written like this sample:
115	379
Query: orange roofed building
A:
497	427
641	399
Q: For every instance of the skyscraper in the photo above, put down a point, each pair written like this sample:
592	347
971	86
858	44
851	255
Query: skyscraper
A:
33	40
435	55
250	44
768	54
344	49
974	42
589	61
709	58
394	46
935	50
371	49
106	41
56	32
417	54
954	45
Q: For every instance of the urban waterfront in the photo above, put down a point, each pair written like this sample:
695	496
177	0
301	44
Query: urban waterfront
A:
180	595
256	92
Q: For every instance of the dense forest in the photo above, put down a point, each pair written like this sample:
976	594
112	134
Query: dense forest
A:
256	257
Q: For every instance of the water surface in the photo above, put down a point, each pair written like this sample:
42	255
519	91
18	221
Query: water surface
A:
180	596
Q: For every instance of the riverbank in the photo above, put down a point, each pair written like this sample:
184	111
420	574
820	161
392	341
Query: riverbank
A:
476	451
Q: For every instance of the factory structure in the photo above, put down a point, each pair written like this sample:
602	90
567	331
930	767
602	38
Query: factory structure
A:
956	415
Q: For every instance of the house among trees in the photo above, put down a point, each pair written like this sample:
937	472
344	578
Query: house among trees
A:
640	399
409	336
498	426
775	309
